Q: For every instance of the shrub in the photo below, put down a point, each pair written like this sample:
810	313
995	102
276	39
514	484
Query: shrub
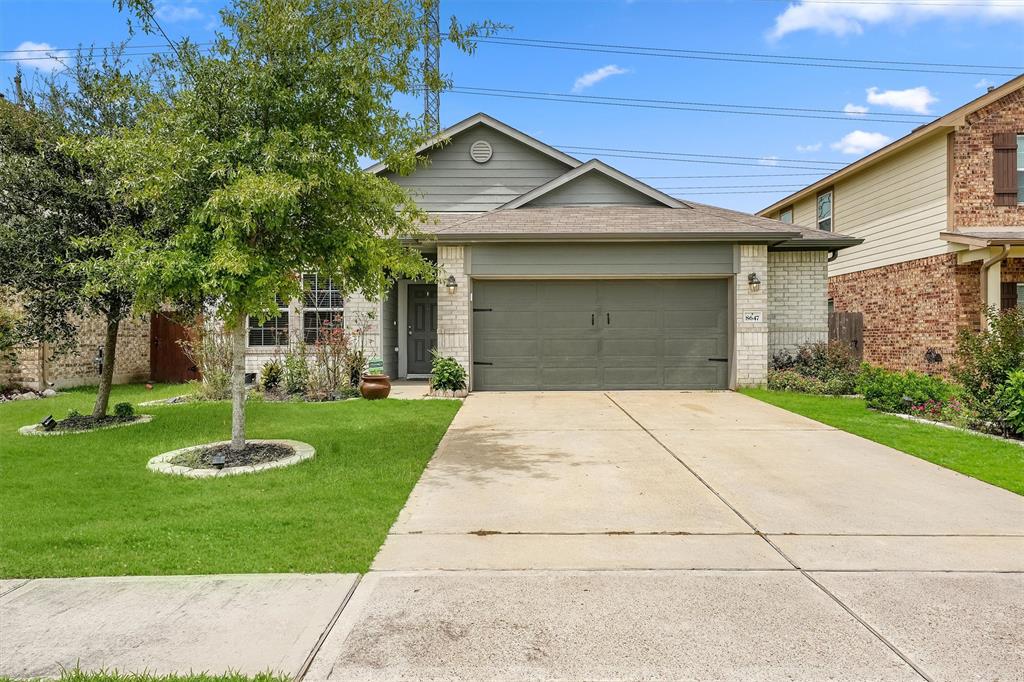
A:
209	349
986	359
831	367
73	414
447	374
124	410
296	369
271	375
1010	401
791	380
951	411
900	391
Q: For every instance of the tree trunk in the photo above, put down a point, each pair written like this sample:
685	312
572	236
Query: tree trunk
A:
99	408
238	333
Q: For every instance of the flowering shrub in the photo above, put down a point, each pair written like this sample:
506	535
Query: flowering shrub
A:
950	411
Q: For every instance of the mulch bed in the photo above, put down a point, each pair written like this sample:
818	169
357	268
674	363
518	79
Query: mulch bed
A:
254	453
88	422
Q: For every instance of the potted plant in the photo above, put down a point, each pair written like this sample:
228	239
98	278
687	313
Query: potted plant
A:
375	385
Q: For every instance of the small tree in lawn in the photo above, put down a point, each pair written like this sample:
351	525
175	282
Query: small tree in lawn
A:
58	224
254	163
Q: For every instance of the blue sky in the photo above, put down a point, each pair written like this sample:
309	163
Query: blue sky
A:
986	32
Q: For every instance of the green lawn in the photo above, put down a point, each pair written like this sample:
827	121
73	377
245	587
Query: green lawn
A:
85	504
996	462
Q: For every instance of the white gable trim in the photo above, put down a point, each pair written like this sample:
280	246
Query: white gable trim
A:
495	124
596	166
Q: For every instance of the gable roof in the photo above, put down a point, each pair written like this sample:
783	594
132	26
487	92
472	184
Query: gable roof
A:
493	123
943	124
599	167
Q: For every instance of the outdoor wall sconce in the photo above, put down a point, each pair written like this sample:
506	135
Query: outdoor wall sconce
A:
451	284
754	282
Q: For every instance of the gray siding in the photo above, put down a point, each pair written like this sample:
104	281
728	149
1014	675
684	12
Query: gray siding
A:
593	189
600	260
389	332
454	182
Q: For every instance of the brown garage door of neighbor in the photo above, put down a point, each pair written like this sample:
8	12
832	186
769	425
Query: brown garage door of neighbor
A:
600	334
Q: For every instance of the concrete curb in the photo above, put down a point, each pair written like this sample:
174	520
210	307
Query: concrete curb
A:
37	429
162	463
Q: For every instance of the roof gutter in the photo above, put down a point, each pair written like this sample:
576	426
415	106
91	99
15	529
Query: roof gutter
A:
773	238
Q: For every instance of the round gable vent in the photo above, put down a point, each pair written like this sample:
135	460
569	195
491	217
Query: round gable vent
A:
480	151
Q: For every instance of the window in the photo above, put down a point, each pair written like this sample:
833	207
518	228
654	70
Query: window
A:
1020	295
323	305
831	306
271	332
786	215
825	211
1020	170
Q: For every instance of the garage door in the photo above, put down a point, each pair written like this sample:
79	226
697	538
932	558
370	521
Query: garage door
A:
600	334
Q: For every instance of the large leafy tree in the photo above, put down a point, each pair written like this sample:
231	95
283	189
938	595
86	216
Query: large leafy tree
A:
253	164
58	224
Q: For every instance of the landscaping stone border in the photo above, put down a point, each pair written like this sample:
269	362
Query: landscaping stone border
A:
37	429
456	395
921	420
162	463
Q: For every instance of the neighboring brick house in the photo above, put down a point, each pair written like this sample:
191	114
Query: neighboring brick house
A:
36	368
941	213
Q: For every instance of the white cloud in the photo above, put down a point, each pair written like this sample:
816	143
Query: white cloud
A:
912	99
769	161
596	76
39	56
851	18
176	13
861	142
816	147
855	109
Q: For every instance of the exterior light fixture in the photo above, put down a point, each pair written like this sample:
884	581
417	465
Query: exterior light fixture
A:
754	282
48	423
218	460
451	284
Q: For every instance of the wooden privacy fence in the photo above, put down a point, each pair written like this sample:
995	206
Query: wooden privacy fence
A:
849	329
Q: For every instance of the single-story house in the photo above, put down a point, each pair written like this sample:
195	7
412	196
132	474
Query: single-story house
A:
559	274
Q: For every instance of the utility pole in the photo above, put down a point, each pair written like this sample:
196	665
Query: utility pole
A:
432	66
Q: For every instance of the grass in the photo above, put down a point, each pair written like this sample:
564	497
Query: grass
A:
85	504
997	462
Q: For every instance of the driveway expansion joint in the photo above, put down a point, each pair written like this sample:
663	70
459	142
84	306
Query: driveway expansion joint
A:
327	631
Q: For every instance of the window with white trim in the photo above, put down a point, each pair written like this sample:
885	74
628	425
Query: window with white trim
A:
322	305
824	208
271	332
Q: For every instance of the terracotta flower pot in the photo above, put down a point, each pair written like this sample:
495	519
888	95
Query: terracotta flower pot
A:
375	386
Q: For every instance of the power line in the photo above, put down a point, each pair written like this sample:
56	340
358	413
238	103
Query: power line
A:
753	191
999	4
637	103
762	159
729	176
761	58
647	157
775	187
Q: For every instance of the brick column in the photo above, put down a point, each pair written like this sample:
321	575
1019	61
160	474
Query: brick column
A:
357	307
752	337
453	309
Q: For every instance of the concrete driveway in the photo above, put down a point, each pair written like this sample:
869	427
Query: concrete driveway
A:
675	535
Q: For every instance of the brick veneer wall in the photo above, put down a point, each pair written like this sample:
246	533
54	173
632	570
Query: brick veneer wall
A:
912	307
752	337
77	368
797	299
453	310
972	184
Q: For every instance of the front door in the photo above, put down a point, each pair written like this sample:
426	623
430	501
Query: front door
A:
422	331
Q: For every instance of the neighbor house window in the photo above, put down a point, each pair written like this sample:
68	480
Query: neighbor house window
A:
1020	295
825	211
322	305
1020	170
786	215
271	332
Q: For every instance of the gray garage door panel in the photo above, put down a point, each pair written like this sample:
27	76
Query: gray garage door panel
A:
600	334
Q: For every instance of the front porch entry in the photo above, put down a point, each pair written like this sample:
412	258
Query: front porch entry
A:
416	328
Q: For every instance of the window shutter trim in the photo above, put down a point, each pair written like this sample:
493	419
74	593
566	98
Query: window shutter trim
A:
1004	168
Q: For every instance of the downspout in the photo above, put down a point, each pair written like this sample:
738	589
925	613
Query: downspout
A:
832	255
998	258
